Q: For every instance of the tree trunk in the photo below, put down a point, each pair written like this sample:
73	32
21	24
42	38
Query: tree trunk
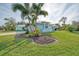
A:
30	25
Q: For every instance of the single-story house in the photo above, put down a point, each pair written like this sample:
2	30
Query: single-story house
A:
43	26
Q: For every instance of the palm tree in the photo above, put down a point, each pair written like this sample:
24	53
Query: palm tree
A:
63	20
30	11
24	9
37	10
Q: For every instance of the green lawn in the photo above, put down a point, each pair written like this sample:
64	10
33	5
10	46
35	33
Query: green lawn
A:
76	32
67	44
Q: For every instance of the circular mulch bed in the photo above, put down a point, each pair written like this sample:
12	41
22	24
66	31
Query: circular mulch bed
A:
39	39
43	39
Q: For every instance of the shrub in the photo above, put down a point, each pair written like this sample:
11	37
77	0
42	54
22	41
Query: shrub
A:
36	32
71	29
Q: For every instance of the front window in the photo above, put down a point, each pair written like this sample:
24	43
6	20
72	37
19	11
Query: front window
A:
46	26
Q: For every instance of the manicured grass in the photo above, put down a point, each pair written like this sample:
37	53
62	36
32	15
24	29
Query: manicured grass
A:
67	44
6	41
76	32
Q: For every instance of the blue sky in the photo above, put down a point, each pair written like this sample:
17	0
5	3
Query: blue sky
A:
55	12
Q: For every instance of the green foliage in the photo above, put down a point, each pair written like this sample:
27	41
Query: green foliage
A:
36	32
1	28
70	29
63	20
27	31
65	27
75	25
77	29
10	24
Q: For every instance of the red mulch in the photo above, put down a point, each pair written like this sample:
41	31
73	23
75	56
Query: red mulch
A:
39	39
43	39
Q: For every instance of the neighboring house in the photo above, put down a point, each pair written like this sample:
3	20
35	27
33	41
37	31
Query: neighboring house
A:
43	26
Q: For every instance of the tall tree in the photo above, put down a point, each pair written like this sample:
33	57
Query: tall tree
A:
10	24
30	11
63	20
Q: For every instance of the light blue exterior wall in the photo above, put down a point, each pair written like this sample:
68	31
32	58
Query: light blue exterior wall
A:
42	27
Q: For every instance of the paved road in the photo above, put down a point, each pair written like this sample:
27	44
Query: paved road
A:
10	33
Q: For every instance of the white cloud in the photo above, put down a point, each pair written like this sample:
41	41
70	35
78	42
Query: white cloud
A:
56	11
